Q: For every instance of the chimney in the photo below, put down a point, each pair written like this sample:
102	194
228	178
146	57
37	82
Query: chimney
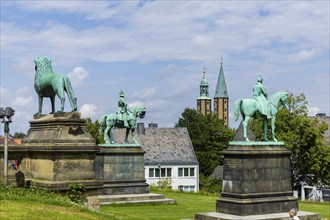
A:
140	128
321	115
153	125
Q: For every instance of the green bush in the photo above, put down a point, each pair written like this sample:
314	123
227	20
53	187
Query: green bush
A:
76	192
210	185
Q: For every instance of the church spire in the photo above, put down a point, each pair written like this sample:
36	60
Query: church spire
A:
221	89
221	97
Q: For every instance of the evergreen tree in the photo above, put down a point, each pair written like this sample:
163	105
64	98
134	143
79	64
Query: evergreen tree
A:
93	128
19	135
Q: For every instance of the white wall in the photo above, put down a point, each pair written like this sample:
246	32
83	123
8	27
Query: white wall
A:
190	183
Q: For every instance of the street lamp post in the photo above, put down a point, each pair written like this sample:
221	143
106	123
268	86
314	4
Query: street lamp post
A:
6	115
159	168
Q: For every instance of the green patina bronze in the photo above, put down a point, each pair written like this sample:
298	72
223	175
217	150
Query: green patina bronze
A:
260	106
123	118
48	84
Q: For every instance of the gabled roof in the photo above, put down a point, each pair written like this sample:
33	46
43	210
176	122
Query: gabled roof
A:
166	146
221	89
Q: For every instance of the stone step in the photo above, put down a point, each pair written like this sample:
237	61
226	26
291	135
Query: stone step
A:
135	199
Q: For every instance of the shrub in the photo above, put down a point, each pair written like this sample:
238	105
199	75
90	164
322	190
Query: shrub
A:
76	192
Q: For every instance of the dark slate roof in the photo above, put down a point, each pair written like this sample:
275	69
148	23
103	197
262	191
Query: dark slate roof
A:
217	173
239	136
171	146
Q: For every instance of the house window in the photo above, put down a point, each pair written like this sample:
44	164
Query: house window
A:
186	172
188	188
164	172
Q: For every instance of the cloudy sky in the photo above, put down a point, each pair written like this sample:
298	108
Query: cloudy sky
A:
156	50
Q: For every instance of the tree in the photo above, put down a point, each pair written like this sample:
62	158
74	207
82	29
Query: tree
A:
93	128
304	137
19	135
209	138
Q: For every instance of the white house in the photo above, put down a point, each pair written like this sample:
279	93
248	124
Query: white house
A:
169	156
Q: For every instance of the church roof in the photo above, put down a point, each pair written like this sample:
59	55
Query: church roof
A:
221	89
171	146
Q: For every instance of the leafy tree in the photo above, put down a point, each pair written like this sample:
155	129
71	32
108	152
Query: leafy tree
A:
304	137
19	135
93	128
209	137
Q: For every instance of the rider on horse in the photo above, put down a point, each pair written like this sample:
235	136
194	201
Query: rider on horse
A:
260	94
122	109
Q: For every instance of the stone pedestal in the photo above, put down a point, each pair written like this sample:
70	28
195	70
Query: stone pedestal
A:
256	184
256	180
121	167
61	152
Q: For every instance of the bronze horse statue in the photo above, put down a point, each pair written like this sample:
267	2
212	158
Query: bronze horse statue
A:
113	120
249	108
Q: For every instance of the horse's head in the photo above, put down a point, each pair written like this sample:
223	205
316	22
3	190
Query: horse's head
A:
43	65
284	99
139	111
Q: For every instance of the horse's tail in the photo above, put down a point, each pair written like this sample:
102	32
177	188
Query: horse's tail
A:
71	95
238	104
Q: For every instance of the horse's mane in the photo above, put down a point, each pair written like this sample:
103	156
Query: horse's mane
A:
44	67
276	96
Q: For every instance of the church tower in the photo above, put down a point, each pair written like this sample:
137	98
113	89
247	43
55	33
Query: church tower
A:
221	98
204	101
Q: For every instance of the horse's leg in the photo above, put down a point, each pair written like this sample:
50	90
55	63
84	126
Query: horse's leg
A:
133	134
40	99
52	101
111	136
126	136
106	135
245	124
265	129
273	128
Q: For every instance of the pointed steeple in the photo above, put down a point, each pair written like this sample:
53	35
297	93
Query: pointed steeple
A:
221	98
221	89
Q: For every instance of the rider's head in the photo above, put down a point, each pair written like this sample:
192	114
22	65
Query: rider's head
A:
121	93
259	79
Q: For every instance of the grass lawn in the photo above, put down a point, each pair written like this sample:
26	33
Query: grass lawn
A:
37	205
188	205
16	210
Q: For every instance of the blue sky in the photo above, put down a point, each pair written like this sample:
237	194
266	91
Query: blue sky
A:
156	50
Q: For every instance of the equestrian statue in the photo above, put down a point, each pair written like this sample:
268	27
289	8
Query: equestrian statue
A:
48	84
260	106
123	118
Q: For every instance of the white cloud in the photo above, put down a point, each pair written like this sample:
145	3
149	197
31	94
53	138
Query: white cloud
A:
145	92
123	38
88	110
20	101
305	54
78	75
135	103
313	110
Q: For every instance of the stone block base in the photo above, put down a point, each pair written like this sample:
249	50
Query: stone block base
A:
277	216
255	206
122	169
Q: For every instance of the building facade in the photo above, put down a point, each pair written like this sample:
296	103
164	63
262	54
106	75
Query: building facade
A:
169	156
